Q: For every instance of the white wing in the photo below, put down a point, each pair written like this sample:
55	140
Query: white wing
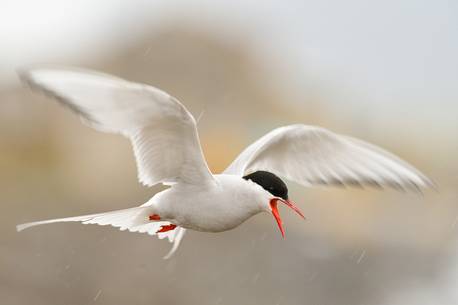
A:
163	133
311	155
132	219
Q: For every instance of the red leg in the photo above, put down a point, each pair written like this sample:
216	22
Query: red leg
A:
154	217
166	228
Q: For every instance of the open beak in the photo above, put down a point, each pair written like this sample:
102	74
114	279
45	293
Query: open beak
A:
276	214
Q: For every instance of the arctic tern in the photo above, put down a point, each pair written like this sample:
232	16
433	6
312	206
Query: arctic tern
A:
167	150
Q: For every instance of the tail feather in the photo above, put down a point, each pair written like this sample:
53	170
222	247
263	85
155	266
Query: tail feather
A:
118	218
177	237
133	219
24	226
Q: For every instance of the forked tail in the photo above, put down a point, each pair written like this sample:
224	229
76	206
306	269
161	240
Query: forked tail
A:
133	219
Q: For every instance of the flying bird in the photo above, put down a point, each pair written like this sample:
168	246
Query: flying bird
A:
167	150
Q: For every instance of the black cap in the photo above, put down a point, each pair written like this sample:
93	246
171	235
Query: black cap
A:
270	182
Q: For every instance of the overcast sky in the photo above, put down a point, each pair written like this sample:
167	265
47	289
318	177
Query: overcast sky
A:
397	52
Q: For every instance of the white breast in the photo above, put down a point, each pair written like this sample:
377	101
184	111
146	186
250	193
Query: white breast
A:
211	208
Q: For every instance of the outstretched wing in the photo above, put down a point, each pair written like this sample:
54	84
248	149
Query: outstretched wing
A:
311	155
133	219
163	133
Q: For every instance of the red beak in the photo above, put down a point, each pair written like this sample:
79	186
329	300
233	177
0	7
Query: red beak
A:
276	214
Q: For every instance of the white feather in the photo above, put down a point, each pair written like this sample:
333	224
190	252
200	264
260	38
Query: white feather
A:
133	219
163	133
167	150
311	155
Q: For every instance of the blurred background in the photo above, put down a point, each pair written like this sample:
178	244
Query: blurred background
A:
385	72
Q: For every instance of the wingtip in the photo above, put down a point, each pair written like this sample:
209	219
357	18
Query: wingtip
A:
420	187
429	183
28	70
424	183
24	75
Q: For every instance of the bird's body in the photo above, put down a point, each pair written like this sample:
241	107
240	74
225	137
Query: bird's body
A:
167	150
211	208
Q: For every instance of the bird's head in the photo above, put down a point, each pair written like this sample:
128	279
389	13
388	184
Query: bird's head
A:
278	192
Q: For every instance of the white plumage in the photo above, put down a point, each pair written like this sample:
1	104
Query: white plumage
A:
311	155
167	150
163	133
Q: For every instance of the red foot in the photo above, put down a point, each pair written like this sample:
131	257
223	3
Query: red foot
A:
154	217
166	228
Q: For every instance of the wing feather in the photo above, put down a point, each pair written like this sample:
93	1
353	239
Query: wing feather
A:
311	156
163	133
